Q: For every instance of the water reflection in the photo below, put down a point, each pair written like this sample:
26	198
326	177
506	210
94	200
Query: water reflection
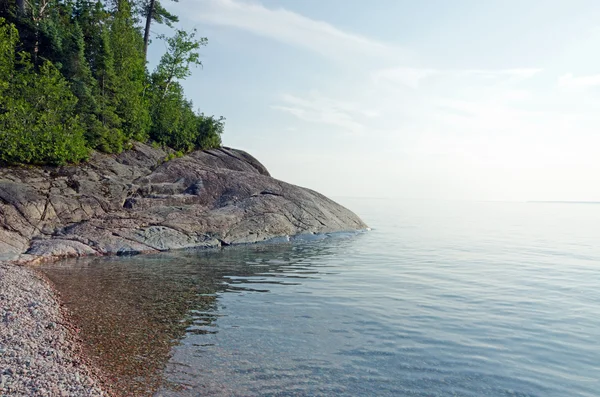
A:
132	311
495	299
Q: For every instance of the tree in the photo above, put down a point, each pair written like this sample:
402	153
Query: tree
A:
103	130
73	77
21	7
39	11
38	121
129	64
182	53
9	36
42	26
152	10
174	121
209	131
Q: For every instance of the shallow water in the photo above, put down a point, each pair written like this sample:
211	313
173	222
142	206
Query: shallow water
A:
440	299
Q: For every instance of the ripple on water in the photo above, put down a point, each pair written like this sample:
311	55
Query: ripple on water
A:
467	299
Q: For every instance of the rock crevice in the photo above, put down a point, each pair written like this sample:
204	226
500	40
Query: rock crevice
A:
136	202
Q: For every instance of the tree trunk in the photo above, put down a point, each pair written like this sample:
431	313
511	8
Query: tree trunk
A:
37	20
148	23
21	7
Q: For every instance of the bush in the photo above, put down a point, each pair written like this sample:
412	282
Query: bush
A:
38	124
209	132
176	125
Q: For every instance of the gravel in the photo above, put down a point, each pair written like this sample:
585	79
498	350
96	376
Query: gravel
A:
40	354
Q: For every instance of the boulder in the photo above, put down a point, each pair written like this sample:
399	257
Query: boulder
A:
138	202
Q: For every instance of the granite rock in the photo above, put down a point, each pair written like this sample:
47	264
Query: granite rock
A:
138	202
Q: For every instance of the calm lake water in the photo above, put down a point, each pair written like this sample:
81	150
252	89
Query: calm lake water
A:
439	299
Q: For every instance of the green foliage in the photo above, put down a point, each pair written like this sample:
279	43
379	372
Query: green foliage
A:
9	37
162	16
182	52
38	123
73	78
176	125
174	122
209	132
173	155
103	130
129	64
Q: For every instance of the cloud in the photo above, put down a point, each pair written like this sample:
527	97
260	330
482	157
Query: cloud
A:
470	99
410	77
568	81
316	108
512	74
291	28
415	77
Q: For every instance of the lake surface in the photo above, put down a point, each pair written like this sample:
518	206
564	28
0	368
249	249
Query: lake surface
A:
439	299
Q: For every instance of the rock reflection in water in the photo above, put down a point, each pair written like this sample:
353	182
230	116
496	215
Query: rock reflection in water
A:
132	310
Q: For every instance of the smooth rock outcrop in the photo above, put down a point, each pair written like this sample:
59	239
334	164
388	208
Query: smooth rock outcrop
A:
138	202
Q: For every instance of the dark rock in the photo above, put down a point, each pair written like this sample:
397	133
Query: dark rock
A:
136	202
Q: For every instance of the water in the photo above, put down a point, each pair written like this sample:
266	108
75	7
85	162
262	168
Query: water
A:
440	299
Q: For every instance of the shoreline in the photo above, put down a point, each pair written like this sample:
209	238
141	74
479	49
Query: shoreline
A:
90	364
127	204
42	353
23	286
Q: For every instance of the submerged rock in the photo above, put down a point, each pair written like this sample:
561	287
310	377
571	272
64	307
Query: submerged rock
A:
136	202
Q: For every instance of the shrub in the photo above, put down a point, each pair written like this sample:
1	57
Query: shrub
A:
38	124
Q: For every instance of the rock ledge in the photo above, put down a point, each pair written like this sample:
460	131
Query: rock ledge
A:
136	202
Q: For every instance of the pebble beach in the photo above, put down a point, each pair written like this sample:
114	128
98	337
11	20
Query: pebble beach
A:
40	354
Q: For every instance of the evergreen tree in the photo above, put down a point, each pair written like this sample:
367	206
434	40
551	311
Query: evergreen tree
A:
9	37
152	10
99	101
130	66
73	77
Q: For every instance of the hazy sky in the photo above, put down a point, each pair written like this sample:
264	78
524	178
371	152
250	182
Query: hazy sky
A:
493	100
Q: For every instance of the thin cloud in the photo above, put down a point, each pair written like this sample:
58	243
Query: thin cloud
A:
569	81
519	74
410	77
415	77
322	110
289	27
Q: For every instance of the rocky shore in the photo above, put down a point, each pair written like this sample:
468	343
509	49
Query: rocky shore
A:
137	202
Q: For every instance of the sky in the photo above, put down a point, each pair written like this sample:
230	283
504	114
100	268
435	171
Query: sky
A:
432	99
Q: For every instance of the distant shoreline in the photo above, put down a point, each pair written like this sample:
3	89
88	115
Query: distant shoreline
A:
563	202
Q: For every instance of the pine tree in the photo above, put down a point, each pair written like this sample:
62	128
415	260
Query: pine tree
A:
99	104
130	66
73	77
9	37
152	10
